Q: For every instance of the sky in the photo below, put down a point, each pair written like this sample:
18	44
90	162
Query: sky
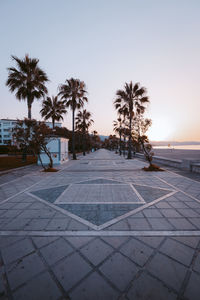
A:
106	43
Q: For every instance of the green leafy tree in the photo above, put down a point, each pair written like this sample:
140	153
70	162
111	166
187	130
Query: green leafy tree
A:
143	126
53	108
27	80
73	93
34	136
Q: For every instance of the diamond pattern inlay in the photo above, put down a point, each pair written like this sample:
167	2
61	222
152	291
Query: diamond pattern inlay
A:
100	200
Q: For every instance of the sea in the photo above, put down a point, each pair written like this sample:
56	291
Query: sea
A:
180	147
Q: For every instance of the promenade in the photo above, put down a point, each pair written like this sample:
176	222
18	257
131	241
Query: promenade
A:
100	228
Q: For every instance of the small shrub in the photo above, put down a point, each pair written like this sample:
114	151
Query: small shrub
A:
152	167
50	170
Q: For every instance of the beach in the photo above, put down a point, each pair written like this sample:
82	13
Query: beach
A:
178	153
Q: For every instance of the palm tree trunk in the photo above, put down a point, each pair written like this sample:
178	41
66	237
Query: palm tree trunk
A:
120	143
129	140
29	111
73	134
84	142
79	141
53	122
124	145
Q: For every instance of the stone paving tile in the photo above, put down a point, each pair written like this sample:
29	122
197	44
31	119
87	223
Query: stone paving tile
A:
163	204
96	251
23	270
17	250
37	224
170	213
160	224
75	225
6	241
169	271
196	265
178	204
94	287
37	205
152	213
58	224
188	213
138	215
122	225
59	215
138	224
41	241
193	204
7	205
22	205
181	224
71	270
191	241
179	252
79	242
146	287
2	211
119	270
41	287
153	241
38	213
21	198
193	288
136	251
115	241
56	251
183	197
16	224
2	288
195	222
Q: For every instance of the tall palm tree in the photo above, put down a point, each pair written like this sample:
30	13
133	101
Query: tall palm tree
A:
83	122
28	80
73	92
53	108
133	98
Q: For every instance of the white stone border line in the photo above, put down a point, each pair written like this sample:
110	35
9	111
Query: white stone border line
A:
111	233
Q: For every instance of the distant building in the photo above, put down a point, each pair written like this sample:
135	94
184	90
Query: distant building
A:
6	129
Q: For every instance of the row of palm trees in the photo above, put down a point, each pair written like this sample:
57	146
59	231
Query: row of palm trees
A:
130	104
28	81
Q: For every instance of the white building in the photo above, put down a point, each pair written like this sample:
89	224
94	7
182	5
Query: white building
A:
6	128
58	147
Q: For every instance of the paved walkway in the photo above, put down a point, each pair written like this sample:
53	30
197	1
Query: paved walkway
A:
100	228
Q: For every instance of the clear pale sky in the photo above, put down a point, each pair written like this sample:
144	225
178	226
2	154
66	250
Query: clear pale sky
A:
107	43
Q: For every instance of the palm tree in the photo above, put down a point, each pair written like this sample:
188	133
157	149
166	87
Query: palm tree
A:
122	111
118	129
96	141
53	108
28	80
83	122
73	92
133	98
